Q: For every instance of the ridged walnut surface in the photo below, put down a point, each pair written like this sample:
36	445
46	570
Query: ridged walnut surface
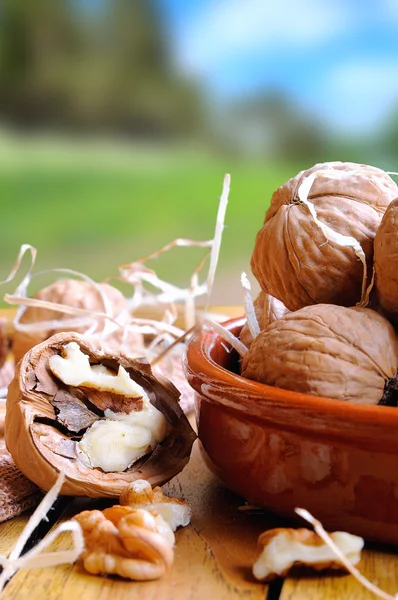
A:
71	292
325	350
386	261
293	261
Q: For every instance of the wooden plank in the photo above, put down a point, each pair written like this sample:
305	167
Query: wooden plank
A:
379	566
10	531
213	555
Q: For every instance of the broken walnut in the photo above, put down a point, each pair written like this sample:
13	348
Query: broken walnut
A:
139	494
283	548
101	417
127	542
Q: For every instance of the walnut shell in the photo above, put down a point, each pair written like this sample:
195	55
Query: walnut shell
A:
386	262
326	350
293	261
72	292
41	446
267	309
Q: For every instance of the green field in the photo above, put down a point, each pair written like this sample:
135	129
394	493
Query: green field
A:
94	206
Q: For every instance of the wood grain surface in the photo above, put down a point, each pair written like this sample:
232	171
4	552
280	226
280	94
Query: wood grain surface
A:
213	555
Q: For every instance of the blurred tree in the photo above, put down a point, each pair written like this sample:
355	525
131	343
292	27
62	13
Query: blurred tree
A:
271	125
108	69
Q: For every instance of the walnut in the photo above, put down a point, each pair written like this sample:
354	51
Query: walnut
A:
139	494
386	262
294	261
342	353
267	309
99	416
79	294
124	541
283	548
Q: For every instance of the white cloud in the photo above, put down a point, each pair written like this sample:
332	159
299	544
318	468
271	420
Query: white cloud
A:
228	29
358	95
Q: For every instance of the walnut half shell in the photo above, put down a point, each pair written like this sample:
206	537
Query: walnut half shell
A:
46	418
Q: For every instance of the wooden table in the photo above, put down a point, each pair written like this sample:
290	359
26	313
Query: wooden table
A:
213	556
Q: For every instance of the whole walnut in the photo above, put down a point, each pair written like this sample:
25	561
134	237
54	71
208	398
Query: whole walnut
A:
267	309
386	262
76	293
343	353
293	259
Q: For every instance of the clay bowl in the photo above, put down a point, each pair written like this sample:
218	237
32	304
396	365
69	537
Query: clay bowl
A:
282	449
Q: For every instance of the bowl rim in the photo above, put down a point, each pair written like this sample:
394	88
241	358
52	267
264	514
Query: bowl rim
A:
199	363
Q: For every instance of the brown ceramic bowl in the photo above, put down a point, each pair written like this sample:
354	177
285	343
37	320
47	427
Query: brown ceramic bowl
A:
282	449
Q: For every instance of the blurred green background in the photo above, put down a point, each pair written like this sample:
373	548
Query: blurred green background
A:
119	119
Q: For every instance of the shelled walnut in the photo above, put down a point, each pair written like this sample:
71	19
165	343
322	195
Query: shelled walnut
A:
132	543
139	494
101	417
283	548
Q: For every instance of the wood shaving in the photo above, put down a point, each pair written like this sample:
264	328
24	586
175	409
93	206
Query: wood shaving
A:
317	525
35	558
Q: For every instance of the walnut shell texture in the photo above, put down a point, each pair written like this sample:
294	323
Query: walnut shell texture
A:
41	448
386	262
326	350
267	309
71	292
293	261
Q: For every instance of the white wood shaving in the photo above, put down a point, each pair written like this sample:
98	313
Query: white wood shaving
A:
329	233
215	250
340	555
148	292
250	312
35	558
227	336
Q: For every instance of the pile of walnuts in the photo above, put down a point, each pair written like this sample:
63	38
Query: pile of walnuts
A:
326	260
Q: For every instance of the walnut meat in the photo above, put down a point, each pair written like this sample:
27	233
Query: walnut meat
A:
292	259
78	294
342	353
124	541
386	262
267	309
283	548
99	416
139	494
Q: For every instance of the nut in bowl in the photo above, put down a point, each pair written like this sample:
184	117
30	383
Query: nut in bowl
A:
283	449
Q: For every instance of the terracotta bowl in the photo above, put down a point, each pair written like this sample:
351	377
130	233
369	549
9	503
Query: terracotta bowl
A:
282	449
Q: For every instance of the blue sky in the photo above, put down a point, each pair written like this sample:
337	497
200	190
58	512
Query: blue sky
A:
335	58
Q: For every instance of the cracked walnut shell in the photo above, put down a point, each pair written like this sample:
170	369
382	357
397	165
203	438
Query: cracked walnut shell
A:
293	260
342	353
124	541
47	421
